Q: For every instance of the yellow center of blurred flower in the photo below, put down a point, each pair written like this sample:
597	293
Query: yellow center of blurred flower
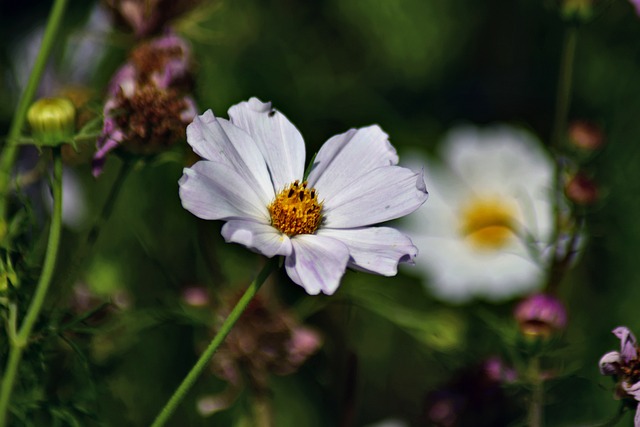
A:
296	210
488	223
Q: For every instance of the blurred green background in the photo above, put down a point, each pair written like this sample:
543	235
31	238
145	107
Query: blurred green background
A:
415	67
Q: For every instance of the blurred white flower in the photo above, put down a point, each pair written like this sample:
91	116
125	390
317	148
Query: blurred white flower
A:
490	213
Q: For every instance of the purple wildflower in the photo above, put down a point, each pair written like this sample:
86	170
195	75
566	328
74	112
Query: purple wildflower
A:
540	315
624	366
147	109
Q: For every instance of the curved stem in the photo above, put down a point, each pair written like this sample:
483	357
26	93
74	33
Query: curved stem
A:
206	356
20	341
8	156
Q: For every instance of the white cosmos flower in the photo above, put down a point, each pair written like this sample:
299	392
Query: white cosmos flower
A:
493	189
251	177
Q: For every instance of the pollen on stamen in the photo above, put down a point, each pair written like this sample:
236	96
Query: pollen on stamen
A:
296	210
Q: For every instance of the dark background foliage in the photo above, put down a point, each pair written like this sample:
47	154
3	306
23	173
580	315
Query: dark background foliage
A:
415	67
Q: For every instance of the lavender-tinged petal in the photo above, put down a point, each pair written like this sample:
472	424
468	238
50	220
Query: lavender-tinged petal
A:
106	145
262	238
632	389
346	157
123	79
636	418
317	263
221	141
610	363
212	190
375	249
628	343
190	111
636	5
277	138
381	195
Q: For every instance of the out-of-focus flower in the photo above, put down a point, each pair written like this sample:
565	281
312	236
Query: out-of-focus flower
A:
473	397
52	121
581	189
149	17
196	296
147	109
624	366
490	208
636	5
252	177
540	315
496	370
266	340
585	135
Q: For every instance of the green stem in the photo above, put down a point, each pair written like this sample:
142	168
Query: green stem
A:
22	337
85	247
565	80
206	356
563	103
8	156
535	416
109	204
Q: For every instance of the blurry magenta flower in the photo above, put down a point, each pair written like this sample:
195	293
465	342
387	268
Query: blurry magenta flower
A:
491	194
581	190
636	5
147	110
196	296
149	17
624	366
540	315
585	135
252	177
497	371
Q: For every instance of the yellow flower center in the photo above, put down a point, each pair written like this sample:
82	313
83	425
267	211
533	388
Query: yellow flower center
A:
488	223
296	210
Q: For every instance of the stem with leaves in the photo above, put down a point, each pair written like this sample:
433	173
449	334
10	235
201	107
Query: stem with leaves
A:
8	155
19	339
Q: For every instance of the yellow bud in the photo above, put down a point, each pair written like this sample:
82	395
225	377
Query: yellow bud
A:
52	121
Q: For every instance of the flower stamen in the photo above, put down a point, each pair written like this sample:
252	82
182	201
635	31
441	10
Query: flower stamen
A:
296	210
488	223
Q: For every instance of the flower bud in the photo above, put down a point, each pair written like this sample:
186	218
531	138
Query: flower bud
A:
52	120
540	315
585	135
581	190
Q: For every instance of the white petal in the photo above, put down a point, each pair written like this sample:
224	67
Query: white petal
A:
348	156
317	263
277	138
610	363
375	249
459	272
262	238
380	195
220	141
212	190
